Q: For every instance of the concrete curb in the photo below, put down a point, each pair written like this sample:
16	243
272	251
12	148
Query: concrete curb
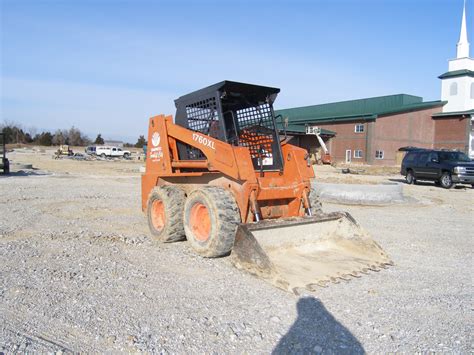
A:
380	194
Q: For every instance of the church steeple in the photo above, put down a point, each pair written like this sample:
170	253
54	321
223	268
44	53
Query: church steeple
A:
457	84
463	44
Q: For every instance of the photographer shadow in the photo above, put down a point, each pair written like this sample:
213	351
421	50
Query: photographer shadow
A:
317	331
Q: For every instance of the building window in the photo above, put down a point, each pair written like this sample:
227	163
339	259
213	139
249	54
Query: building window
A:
359	128
379	154
453	89
472	91
358	154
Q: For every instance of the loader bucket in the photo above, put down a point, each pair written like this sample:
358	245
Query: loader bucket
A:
306	252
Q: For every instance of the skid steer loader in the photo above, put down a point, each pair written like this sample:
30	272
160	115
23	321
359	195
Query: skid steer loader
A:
221	176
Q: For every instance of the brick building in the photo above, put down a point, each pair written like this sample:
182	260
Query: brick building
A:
372	130
368	131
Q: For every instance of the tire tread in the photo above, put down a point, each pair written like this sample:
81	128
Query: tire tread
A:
316	205
228	217
173	198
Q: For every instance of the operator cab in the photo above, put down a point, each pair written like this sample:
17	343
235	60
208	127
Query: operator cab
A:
237	113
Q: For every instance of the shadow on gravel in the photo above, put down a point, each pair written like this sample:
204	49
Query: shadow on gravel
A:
317	331
432	184
398	180
24	173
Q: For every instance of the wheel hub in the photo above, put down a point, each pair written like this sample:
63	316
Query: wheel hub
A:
158	217
200	222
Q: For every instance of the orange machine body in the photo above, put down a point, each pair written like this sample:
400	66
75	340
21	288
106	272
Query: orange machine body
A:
326	158
270	194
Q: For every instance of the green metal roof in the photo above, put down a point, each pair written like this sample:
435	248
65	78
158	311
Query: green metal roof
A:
457	113
456	73
360	107
413	107
357	110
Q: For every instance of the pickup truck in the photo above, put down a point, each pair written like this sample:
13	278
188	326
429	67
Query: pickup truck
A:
106	151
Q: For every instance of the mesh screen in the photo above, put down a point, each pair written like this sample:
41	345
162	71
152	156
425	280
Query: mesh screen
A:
256	130
204	118
201	115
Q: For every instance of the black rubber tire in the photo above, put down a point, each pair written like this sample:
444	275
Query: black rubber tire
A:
410	177
6	167
103	155
173	199
315	202
446	181
126	155
224	218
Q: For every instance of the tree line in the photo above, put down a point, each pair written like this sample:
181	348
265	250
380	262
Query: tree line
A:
15	134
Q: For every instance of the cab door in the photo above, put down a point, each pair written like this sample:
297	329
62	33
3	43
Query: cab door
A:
432	166
420	168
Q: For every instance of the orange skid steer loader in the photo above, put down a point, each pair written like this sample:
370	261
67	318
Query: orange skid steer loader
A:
221	176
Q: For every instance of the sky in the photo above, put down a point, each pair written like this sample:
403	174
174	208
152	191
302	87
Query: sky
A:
106	66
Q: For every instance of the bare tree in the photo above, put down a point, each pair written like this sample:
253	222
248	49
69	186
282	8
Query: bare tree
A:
76	137
32	130
59	137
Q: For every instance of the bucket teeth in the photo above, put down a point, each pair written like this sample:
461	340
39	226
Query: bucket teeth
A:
344	277
296	291
335	280
384	265
323	283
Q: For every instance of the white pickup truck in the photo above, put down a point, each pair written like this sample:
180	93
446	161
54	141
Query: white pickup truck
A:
106	151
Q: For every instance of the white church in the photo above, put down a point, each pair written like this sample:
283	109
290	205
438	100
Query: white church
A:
457	85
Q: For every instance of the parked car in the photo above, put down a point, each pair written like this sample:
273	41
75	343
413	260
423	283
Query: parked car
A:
444	167
91	149
106	151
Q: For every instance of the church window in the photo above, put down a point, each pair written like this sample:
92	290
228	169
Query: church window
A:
453	89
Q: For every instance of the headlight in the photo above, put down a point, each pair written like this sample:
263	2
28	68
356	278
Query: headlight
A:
459	170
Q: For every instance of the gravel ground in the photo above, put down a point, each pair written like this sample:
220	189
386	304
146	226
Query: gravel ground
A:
78	272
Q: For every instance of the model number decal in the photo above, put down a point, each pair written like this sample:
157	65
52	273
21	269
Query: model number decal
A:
203	140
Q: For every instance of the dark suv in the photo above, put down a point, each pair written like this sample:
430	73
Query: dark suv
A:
444	167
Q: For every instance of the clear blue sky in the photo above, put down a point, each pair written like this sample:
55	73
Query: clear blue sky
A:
107	65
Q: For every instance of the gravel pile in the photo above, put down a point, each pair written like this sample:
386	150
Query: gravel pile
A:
78	272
